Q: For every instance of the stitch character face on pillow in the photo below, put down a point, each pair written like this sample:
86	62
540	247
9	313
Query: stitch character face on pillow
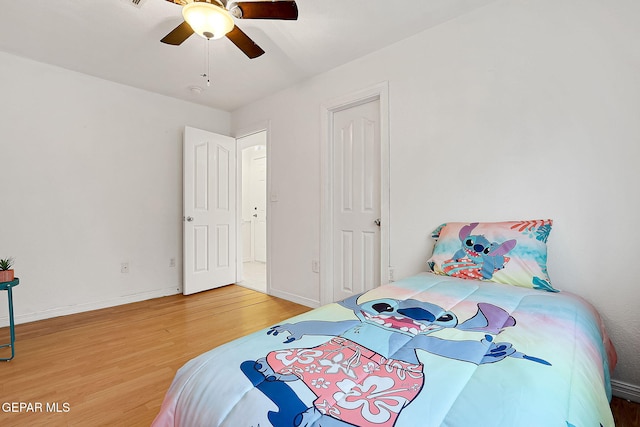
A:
487	256
513	253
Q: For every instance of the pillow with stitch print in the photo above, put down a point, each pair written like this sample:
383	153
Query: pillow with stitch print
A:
509	252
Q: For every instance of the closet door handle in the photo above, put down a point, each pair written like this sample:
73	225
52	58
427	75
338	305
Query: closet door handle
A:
377	222
189	218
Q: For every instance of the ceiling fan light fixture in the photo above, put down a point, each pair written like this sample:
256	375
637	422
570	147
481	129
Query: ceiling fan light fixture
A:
208	20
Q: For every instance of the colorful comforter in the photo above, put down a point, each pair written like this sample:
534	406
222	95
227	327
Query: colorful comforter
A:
424	351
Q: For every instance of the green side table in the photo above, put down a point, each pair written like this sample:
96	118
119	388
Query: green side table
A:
7	286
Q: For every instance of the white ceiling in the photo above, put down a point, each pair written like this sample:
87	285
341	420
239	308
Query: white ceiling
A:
117	41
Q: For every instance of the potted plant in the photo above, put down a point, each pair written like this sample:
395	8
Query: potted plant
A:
6	272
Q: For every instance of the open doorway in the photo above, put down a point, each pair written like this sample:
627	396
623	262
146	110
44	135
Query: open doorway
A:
253	210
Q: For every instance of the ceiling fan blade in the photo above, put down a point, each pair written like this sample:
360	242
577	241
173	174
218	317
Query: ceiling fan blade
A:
178	35
244	43
268	10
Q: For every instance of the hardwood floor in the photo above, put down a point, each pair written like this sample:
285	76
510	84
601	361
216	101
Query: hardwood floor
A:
625	413
112	367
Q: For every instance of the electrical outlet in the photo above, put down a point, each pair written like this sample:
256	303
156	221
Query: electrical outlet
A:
172	262
124	267
391	271
315	266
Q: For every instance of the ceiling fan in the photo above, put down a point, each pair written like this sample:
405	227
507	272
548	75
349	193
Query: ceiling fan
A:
213	19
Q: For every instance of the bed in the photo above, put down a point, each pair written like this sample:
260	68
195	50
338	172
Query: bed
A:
433	349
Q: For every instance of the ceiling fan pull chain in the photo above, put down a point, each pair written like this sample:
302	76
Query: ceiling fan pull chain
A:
207	66
208	47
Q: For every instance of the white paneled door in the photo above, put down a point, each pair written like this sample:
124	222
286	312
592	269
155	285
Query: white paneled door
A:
259	207
209	210
356	199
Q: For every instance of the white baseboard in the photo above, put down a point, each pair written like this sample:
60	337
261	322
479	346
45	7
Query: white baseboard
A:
295	298
625	390
96	305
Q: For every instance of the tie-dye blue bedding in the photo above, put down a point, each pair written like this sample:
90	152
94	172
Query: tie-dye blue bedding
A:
424	351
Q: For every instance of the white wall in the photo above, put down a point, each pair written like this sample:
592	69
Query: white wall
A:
523	109
92	177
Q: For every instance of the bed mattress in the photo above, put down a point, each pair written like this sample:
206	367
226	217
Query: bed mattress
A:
427	350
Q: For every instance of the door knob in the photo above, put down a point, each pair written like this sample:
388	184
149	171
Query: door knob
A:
189	218
377	222
255	215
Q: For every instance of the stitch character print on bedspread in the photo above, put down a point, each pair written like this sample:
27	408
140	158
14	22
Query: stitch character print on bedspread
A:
368	370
